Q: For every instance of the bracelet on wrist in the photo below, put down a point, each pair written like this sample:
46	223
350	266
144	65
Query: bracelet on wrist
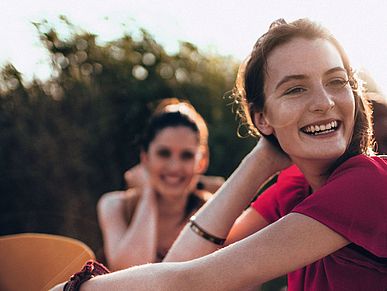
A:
89	270
204	234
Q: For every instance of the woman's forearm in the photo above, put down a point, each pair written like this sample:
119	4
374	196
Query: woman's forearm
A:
218	215
138	244
162	277
284	246
128	245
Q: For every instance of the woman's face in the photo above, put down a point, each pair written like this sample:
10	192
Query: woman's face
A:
309	103
173	161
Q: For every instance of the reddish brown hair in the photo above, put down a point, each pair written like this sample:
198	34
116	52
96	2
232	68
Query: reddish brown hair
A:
249	89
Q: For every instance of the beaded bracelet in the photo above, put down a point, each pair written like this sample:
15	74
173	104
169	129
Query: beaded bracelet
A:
89	270
201	232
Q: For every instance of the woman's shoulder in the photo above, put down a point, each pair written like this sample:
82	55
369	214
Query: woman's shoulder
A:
203	194
367	160
353	198
119	199
121	195
360	180
363	166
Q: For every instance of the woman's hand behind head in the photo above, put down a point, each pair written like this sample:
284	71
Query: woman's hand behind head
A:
278	158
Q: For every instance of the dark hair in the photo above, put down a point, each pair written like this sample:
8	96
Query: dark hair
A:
249	89
172	112
163	120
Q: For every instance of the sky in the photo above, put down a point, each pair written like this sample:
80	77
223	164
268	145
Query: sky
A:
216	26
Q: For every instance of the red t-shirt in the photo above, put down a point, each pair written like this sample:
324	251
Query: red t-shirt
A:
353	203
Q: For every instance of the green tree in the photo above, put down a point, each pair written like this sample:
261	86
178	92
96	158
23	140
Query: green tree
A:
67	140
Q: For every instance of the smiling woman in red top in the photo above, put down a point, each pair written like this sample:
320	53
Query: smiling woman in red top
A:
328	231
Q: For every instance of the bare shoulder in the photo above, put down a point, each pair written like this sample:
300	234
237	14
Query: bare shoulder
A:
118	199
203	194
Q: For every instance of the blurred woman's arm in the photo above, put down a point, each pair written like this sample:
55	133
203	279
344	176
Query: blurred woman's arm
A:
128	243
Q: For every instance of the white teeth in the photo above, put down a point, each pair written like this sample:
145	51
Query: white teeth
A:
323	127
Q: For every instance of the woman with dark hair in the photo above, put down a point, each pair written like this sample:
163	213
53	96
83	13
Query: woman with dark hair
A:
328	231
139	225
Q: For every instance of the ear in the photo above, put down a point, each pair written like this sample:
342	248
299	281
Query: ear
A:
204	161
262	124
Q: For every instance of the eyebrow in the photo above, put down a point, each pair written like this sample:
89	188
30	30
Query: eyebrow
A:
335	69
301	77
289	78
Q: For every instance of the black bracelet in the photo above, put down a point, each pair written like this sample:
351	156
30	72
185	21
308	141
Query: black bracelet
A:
201	232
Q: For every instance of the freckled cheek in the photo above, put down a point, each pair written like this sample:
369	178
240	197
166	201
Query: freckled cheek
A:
347	104
284	113
346	97
351	105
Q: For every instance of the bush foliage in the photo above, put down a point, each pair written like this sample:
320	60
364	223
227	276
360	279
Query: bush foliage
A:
66	140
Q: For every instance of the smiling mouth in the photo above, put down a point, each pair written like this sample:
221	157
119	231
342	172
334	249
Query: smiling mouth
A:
172	180
321	128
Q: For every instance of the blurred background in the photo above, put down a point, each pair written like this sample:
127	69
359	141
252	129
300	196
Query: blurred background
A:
79	79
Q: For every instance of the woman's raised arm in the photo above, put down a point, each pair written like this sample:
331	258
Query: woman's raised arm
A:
218	215
129	238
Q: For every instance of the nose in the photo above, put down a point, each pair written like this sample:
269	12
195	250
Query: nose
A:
174	164
322	101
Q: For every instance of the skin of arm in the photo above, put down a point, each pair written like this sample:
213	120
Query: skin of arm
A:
128	244
218	215
248	223
286	245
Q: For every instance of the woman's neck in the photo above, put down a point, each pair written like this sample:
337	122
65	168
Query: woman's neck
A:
315	172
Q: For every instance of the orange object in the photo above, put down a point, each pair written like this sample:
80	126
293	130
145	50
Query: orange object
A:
35	262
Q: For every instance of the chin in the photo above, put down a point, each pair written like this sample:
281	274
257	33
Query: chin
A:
174	193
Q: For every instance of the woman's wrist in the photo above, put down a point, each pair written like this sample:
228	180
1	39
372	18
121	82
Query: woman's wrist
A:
90	270
204	234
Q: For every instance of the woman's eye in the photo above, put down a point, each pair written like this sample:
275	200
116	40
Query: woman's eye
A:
164	153
337	83
187	156
294	90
